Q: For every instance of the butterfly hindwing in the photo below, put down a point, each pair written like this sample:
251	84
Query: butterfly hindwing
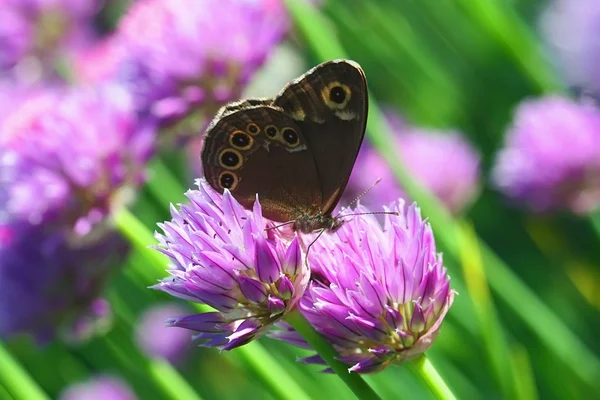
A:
261	150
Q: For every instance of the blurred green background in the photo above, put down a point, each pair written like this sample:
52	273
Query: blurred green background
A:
440	63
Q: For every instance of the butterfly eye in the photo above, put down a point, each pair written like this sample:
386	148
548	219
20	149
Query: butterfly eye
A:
228	180
336	95
271	131
241	140
291	137
252	128
230	159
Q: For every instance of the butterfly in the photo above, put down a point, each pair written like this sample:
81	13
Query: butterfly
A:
296	151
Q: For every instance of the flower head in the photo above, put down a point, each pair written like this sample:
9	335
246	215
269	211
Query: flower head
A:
379	294
222	256
185	55
158	340
50	283
68	156
102	387
551	159
35	32
442	161
572	28
100	62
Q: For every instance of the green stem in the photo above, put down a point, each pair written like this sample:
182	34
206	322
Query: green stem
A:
16	380
427	372
353	380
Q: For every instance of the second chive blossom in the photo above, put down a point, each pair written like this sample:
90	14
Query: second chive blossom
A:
378	294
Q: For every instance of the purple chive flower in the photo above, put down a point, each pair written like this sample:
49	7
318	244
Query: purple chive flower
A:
33	33
50	283
379	294
572	28
186	56
442	161
70	156
67	159
97	318
100	62
551	159
101	387
222	256
158	340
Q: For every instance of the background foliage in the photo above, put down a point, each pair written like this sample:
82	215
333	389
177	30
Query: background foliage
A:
442	63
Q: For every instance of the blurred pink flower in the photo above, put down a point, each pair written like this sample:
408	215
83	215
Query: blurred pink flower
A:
102	387
157	339
442	161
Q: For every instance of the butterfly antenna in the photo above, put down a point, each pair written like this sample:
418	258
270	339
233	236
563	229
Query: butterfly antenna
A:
311	243
279	226
360	196
340	215
372	213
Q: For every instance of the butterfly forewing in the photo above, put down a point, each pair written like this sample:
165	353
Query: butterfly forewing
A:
330	103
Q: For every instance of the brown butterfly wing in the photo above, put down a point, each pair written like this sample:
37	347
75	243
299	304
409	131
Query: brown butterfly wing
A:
259	149
329	103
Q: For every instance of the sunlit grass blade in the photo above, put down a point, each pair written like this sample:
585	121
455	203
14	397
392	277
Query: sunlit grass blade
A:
433	96
582	272
16	381
500	19
4	393
163	373
273	376
492	333
163	185
160	372
524	303
524	381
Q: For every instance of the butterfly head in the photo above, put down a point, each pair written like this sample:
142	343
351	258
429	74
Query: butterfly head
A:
309	223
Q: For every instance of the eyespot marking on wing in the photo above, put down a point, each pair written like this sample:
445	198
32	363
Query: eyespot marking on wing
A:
228	180
336	95
230	159
271	131
252	129
241	140
290	137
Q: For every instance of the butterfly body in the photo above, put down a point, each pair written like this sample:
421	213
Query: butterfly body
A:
295	151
